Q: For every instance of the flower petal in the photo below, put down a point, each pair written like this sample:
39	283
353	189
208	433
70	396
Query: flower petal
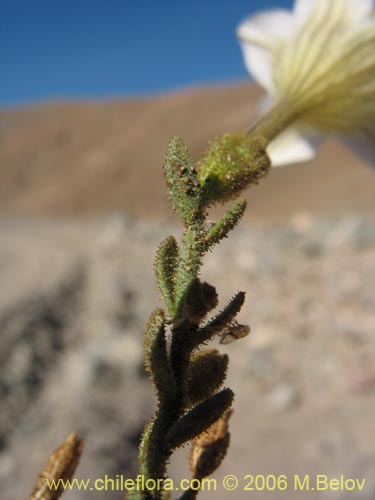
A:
258	62
363	146
259	36
361	9
303	10
293	146
358	9
265	27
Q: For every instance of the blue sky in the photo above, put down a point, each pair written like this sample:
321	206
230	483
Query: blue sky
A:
58	49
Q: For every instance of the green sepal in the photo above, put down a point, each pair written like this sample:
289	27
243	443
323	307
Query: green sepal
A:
231	163
199	419
166	263
207	372
182	181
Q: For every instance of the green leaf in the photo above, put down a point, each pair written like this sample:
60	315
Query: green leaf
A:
207	372
221	229
199	419
221	321
182	181
166	263
200	299
156	357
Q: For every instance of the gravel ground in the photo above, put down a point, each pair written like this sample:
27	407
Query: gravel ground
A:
74	297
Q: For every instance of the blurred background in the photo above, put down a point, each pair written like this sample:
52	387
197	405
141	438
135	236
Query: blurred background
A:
90	94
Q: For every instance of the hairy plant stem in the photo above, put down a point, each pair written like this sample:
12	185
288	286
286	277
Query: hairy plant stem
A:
190	261
156	454
183	415
278	119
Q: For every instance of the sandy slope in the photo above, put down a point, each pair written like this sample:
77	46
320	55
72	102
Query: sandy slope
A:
96	157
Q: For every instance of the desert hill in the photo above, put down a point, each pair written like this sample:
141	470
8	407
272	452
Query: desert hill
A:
92	158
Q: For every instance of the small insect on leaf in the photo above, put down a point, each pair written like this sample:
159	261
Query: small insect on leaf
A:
234	332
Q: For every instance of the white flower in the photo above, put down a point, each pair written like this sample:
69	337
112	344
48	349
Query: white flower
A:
319	62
